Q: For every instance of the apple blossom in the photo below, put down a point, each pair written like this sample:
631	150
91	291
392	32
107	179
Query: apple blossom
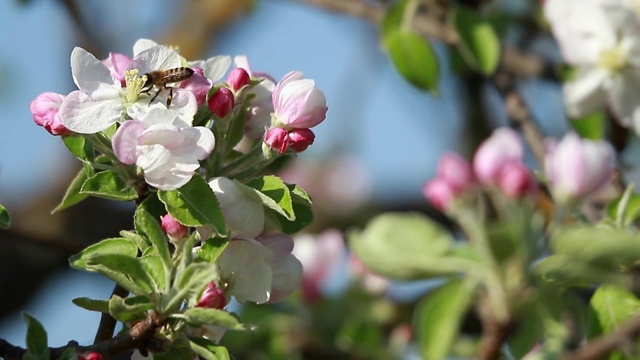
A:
238	78
298	104
300	139
439	193
577	168
117	64
167	153
516	181
198	84
173	228
277	139
261	105
45	110
101	100
602	39
456	171
212	297
242	208
286	268
502	147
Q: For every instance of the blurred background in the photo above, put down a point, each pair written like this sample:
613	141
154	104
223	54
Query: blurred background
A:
378	146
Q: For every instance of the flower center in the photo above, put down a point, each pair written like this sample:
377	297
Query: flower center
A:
134	85
612	59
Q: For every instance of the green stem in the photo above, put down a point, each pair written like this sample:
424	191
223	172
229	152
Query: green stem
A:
409	13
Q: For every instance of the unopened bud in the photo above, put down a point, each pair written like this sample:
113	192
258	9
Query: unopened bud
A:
90	356
439	193
299	140
173	228
221	102
238	78
277	139
515	180
213	297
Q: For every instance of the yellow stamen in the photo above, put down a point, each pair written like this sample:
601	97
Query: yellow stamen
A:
134	84
612	59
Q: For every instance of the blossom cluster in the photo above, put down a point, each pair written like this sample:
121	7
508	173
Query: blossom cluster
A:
601	39
575	169
161	120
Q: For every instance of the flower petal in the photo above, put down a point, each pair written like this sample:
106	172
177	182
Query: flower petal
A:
89	73
142	45
156	58
80	114
587	93
125	141
215	67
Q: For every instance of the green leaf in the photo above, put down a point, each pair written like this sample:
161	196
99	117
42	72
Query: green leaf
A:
92	305
209	350
189	283
591	127
527	335
479	45
610	307
69	353
406	246
147	226
393	18
130	309
5	218
301	208
212	248
79	147
414	58
73	196
194	204
601	246
118	246
439	315
236	131
138	240
154	267
108	185
124	270
274	193
36	339
198	316
630	214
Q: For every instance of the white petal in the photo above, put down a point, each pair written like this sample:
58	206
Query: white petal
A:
243	263
154	158
214	68
125	141
80	114
185	104
286	278
156	58
170	180
89	73
586	93
166	135
623	97
200	141
142	45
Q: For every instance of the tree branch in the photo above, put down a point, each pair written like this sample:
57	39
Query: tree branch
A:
137	337
622	338
107	322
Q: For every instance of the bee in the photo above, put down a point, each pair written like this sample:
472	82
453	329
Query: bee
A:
162	78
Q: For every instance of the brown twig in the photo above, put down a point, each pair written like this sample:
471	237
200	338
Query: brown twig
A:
136	338
107	322
622	338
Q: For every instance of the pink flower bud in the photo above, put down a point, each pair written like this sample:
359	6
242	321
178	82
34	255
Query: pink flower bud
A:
173	228
198	84
277	139
439	193
117	64
299	140
577	168
298	103
516	181
221	102
44	109
213	297
90	356
456	171
238	78
502	147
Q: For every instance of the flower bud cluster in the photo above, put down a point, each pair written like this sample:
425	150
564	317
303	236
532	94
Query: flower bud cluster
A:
575	168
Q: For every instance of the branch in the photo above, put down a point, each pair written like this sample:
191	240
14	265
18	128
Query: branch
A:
622	338
138	337
107	322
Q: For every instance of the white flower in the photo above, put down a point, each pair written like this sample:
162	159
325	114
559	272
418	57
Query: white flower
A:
602	39
242	208
261	270
101	100
167	152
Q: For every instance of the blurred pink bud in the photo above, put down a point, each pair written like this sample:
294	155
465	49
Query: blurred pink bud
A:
300	139
213	297
577	167
90	356
439	193
277	139
221	102
44	109
117	64
456	171
238	78
298	103
198	84
502	147
173	228
516	181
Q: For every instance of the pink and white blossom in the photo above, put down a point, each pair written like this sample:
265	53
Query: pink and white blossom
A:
502	147
45	111
168	154
577	167
298	104
261	105
117	64
221	102
242	209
